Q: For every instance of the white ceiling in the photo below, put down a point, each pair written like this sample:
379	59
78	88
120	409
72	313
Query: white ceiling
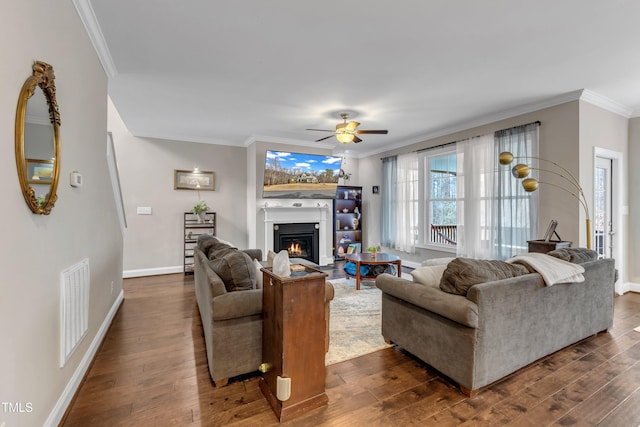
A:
231	72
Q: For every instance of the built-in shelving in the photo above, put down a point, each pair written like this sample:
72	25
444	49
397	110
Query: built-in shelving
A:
347	220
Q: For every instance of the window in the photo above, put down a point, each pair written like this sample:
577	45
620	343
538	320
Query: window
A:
465	201
439	213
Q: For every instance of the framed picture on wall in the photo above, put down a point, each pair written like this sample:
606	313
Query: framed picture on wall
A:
193	180
39	171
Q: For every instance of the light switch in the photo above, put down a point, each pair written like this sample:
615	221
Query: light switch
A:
144	210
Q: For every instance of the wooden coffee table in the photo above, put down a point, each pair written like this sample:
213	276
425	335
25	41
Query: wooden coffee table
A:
366	258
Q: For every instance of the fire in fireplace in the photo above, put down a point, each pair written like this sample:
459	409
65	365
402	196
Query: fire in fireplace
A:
300	240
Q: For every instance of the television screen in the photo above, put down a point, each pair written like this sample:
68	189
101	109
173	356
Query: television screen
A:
300	176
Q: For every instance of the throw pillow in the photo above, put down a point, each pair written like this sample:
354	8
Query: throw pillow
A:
574	255
205	241
219	249
236	269
270	256
462	273
258	273
436	261
429	276
225	242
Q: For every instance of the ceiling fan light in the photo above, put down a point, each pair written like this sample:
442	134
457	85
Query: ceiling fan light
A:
344	138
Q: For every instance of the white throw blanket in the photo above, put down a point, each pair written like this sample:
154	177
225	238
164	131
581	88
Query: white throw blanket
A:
553	270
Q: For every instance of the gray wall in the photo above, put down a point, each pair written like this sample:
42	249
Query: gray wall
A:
153	244
83	224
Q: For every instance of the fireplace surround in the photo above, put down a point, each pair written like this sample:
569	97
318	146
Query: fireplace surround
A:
300	240
300	214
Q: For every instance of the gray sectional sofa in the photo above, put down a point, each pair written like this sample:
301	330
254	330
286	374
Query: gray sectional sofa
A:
228	289
499	326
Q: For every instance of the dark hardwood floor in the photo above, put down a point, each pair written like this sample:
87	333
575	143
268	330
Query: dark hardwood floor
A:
151	370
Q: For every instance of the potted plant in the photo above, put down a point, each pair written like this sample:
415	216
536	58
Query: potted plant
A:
372	250
200	209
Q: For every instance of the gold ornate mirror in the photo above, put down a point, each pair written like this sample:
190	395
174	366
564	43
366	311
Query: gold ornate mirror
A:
37	139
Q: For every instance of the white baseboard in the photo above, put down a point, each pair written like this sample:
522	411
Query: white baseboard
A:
152	271
627	287
76	379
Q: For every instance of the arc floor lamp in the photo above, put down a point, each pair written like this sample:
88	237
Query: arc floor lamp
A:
522	171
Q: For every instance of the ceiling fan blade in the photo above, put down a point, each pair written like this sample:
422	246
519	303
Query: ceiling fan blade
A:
326	137
356	139
322	130
351	126
380	132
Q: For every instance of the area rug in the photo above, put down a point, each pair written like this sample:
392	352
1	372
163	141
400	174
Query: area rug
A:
355	321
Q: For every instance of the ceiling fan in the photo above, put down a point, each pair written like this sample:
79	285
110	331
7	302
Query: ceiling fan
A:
346	132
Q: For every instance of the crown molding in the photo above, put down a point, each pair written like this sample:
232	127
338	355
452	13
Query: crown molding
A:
290	141
577	95
90	22
186	138
607	104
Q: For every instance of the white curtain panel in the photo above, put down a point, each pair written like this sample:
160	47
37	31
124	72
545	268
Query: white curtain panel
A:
476	164
407	203
400	202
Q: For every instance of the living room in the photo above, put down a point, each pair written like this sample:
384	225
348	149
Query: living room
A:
84	222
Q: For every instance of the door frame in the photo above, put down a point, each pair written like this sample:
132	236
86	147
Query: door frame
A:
618	210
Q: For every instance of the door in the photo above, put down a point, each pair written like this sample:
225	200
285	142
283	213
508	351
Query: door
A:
603	226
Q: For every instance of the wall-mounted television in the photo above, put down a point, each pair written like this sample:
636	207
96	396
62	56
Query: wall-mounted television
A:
300	176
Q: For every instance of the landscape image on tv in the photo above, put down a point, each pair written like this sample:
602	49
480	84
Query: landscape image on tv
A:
300	176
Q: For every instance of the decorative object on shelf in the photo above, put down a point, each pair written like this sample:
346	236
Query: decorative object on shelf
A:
193	180
355	223
346	195
200	209
521	171
345	176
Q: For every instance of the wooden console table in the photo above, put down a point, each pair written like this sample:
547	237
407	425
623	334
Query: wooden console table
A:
544	247
293	340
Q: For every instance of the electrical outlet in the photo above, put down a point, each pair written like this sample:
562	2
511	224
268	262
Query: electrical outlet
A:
144	210
111	292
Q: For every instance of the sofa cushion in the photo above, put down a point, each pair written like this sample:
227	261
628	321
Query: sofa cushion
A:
236	269
219	250
204	242
429	276
462	273
575	255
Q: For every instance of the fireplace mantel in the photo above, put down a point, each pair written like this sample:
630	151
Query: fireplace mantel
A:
292	214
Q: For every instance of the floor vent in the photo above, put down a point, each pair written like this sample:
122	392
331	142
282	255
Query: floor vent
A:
74	308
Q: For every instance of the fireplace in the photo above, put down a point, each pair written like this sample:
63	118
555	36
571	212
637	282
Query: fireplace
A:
300	240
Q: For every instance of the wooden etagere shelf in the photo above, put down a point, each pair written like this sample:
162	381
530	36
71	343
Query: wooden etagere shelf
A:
195	226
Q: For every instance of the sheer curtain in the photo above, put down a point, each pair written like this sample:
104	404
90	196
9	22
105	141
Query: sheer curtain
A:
476	164
400	202
496	216
517	209
389	179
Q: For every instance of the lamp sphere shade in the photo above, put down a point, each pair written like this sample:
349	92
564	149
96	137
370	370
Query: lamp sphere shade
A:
520	171
530	185
505	158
